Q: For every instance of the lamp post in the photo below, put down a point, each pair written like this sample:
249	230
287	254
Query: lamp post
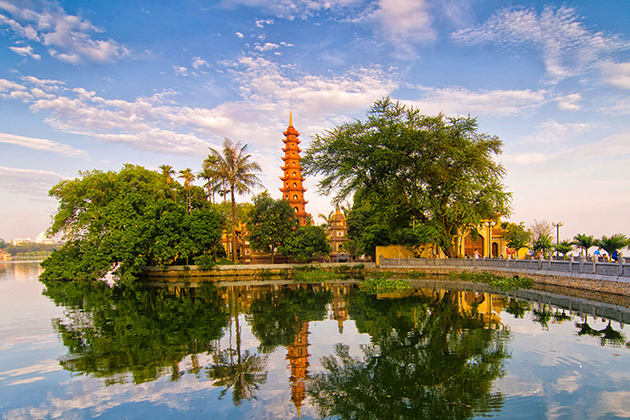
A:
557	226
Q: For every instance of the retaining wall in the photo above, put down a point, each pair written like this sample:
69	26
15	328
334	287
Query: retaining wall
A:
589	275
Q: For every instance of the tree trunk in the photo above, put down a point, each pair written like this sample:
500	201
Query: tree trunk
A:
233	224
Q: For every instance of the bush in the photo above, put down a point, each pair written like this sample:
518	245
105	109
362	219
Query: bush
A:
205	262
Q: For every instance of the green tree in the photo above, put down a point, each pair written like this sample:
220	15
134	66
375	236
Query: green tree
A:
122	221
306	243
270	223
584	241
542	245
517	236
437	171
167	172
236	169
563	248
188	176
614	243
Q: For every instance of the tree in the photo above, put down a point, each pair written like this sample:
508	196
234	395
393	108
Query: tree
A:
306	243
540	228
614	243
563	248
516	235
437	171
122	221
584	241
270	223
234	167
542	245
167	173
188	176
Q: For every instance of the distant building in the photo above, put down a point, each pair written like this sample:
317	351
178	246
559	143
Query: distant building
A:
43	239
20	241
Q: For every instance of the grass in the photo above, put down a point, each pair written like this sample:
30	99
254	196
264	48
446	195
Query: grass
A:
316	275
375	286
505	284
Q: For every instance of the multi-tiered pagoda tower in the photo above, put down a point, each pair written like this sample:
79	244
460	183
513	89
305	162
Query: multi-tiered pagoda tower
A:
292	188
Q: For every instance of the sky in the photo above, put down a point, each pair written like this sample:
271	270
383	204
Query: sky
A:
90	85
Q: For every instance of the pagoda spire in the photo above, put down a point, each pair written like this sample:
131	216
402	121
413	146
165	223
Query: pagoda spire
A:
292	188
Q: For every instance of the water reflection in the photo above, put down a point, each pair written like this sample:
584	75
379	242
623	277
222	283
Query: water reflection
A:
432	353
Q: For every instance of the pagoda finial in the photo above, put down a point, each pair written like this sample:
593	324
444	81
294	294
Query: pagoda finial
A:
290	118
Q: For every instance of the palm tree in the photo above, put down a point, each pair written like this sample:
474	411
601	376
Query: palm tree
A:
214	184
614	243
249	370
563	248
543	245
234	167
584	241
167	173
188	176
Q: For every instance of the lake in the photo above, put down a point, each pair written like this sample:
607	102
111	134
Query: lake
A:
282	350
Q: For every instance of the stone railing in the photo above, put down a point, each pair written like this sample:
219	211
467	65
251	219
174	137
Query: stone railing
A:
570	267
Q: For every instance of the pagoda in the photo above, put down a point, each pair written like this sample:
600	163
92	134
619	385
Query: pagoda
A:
292	189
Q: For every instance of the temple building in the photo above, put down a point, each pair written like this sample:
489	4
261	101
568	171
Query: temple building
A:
292	189
338	231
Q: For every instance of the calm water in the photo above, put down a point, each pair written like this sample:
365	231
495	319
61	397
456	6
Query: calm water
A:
274	351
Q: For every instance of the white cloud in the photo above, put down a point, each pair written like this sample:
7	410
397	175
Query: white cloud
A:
618	106
67	37
616	74
569	102
461	101
555	133
261	23
180	71
8	86
268	46
617	145
291	9
263	81
25	52
27	181
43	145
405	22
567	47
199	63
159	124
46	84
240	35
523	159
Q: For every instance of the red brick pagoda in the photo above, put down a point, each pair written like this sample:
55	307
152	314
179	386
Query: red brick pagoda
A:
292	189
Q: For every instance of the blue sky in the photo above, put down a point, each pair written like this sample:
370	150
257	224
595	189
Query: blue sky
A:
92	85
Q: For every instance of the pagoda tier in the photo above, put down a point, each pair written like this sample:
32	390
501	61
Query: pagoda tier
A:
292	188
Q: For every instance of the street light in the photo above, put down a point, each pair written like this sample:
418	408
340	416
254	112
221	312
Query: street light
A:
557	226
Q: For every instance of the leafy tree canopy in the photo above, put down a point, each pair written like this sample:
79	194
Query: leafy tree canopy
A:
306	243
437	171
270	223
123	220
584	241
614	243
516	235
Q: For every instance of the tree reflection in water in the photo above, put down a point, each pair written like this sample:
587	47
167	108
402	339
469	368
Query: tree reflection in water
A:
143	331
433	353
428	359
